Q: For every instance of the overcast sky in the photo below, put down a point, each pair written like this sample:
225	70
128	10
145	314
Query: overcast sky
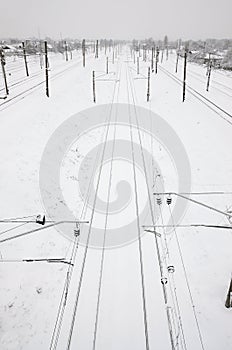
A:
126	19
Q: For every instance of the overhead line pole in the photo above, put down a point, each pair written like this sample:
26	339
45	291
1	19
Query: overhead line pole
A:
25	58
3	63
46	67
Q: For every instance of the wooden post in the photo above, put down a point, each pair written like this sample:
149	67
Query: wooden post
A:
83	51
94	90
25	58
156	60
209	74
107	65
137	65
185	70
46	67
148	84
3	62
152	59
96	54
66	50
113	55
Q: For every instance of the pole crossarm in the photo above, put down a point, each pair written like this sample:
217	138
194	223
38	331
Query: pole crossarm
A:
194	201
40	229
188	225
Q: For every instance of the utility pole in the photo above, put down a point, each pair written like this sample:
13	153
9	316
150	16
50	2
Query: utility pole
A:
209	74
208	63
46	67
137	65
228	302
96	53
66	50
25	58
3	63
83	51
107	65
148	84
105	46
185	71
152	59
156	60
167	52
162	55
94	90
40	55
177	60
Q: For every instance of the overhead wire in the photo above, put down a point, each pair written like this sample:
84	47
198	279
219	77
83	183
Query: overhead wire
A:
138	226
161	268
64	296
173	291
90	228
105	226
187	282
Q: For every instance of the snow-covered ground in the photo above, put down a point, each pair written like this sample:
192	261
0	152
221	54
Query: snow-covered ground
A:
30	292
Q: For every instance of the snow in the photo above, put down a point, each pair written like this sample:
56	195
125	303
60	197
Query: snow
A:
27	317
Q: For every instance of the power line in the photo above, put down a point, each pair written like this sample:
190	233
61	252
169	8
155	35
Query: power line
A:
13	228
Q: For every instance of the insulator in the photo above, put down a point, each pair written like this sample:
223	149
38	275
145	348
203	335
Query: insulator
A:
40	219
169	200
164	280
76	232
159	200
171	268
